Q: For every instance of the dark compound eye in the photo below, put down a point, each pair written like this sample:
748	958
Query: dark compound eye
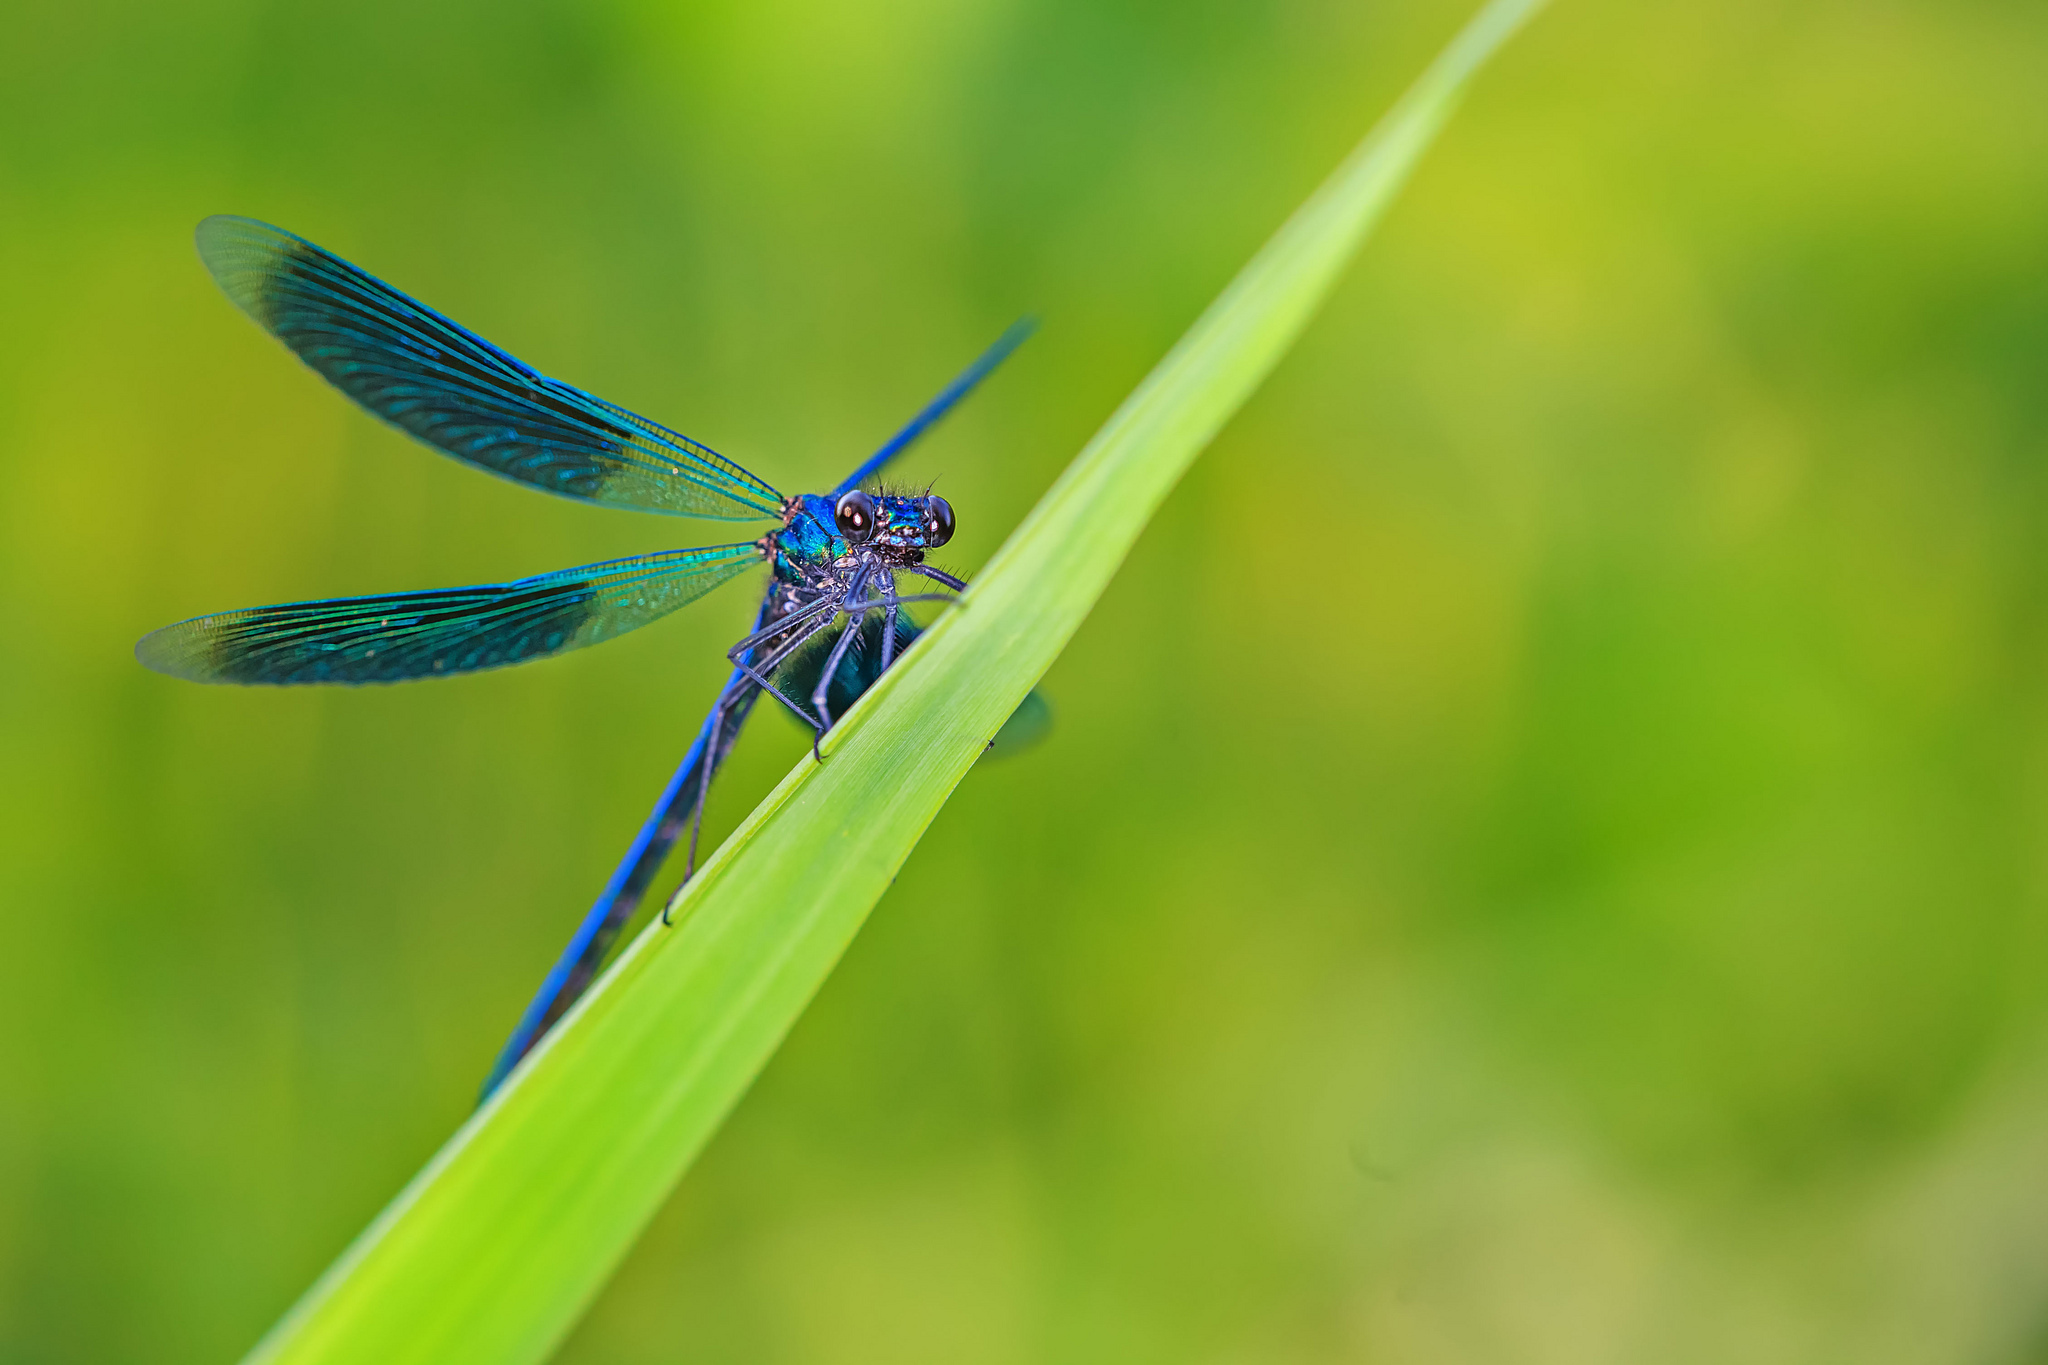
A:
938	521
856	516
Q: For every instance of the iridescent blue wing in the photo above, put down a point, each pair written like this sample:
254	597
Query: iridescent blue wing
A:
451	630
962	385
459	393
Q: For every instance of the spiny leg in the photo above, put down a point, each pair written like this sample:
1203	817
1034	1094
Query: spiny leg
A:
820	694
812	617
908	598
889	621
818	614
937	576
720	709
856	613
855	607
760	672
782	626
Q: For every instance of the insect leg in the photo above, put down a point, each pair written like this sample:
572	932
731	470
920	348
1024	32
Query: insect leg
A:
719	711
759	671
856	606
801	614
889	620
899	600
820	693
937	576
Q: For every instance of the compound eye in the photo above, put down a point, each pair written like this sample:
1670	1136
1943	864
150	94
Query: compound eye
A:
856	516
938	521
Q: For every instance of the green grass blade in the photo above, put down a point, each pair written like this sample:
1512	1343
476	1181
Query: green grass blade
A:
496	1247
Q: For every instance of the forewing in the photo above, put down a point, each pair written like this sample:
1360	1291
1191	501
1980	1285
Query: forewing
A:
451	630
460	394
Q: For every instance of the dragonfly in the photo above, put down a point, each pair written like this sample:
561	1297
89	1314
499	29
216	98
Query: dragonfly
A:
843	565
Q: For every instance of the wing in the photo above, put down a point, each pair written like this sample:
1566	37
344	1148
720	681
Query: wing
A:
451	630
962	385
460	394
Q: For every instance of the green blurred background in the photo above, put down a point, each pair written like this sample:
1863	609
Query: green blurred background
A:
1541	857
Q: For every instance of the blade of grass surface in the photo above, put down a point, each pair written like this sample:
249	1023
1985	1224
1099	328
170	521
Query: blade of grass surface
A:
496	1247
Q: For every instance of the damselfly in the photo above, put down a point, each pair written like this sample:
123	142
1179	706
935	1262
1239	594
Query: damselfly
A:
830	621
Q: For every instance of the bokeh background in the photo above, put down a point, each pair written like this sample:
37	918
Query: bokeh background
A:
1541	859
